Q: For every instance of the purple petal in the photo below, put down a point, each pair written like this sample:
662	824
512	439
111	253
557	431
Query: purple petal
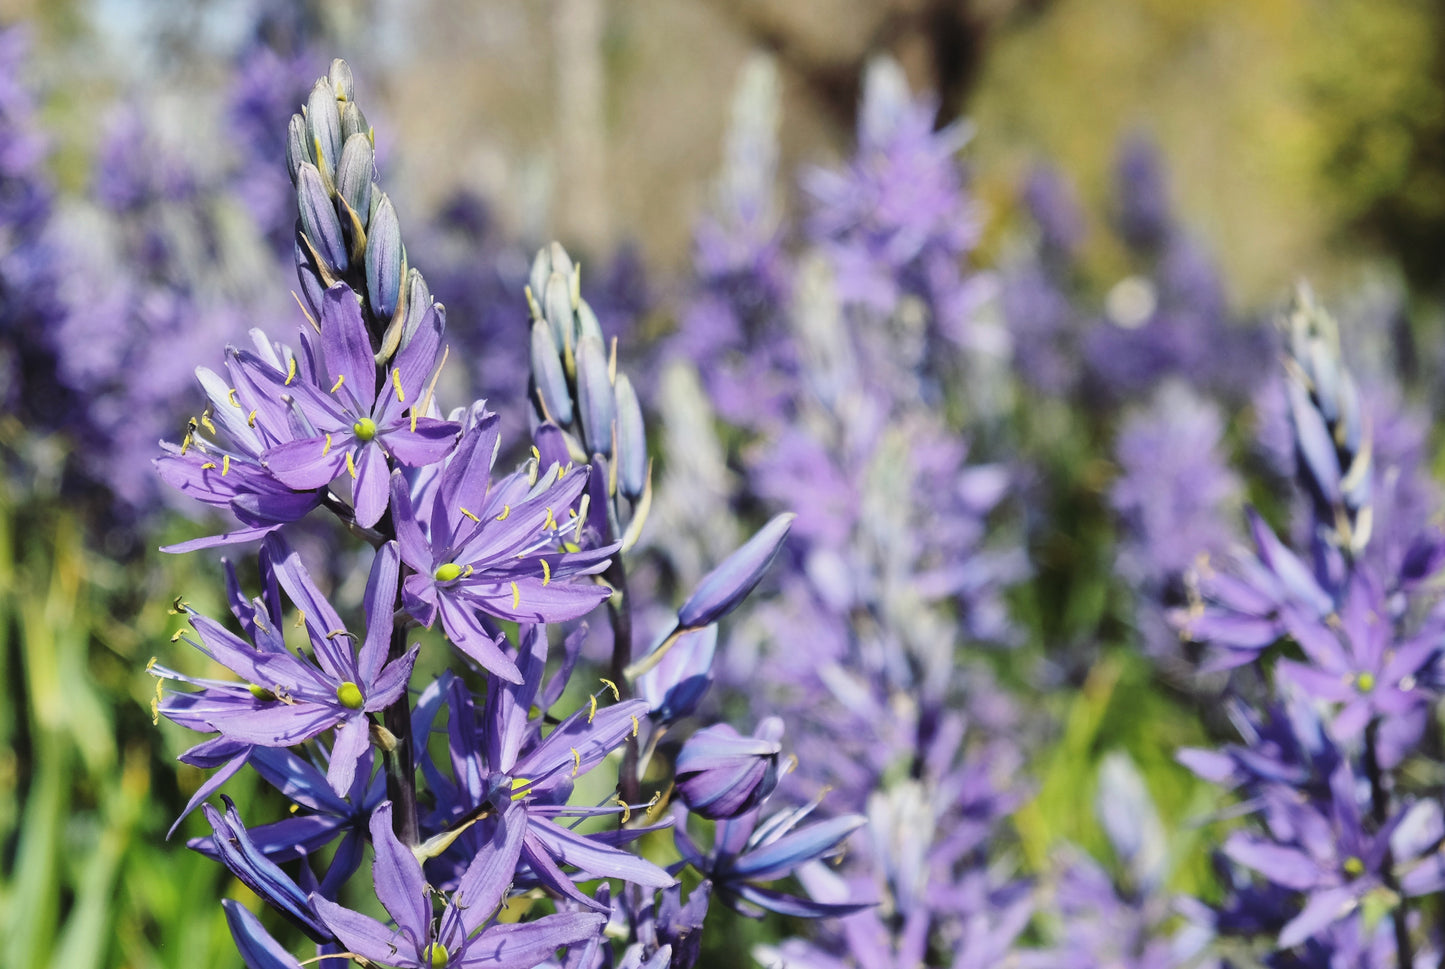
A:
596	860
400	884
431	441
479	892
1323	909
366	936
522	946
312	462
370	488
380	604
258	950
346	345
467	634
352	739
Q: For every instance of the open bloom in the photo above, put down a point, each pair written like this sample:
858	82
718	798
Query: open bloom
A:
356	425
458	938
492	549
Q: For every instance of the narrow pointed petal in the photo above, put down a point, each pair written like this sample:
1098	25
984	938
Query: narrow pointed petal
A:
366	936
312	462
258	950
400	884
380	603
352	739
346	345
528	944
723	588
370	490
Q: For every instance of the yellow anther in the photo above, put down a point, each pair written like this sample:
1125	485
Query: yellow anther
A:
626	809
251	419
469	515
350	465
225	465
300	618
206	421
175	638
516	596
326	448
150	664
339	381
506	510
290	371
546	573
562	472
576	762
413	420
571	512
636	727
185	445
396	383
611	686
208	466
179	606
466	573
232	395
294	808
519	785
549	521
536	455
591	707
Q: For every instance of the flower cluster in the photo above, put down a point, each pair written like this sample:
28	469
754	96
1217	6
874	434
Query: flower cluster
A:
333	710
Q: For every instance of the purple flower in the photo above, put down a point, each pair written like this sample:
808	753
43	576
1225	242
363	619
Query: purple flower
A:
357	426
462	936
479	548
721	774
285	699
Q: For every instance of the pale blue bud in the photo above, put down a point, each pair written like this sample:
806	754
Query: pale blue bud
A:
547	375
724	587
385	258
318	219
323	124
594	396
631	456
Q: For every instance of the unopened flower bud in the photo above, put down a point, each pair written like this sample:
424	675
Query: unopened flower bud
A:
341	80
722	774
298	146
594	396
353	122
323	124
631	456
557	306
676	685
385	259
724	587
547	375
318	219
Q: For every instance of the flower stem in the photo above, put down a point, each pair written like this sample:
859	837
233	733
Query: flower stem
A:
400	767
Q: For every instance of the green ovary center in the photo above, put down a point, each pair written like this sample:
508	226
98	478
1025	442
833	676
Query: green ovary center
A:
1354	867
447	572
365	429
1365	682
350	695
261	693
435	955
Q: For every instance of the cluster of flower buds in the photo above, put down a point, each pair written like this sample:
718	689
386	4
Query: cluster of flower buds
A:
577	387
1332	438
348	231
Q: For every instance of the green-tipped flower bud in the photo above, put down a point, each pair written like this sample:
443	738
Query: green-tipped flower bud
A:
353	122
298	146
724	587
323	124
341	80
318	219
594	396
631	456
541	269
350	696
557	306
587	324
354	174
547	375
385	260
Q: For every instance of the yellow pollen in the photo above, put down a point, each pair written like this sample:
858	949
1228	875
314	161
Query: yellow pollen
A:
339	381
611	686
536	455
626	809
516	596
396	383
546	573
350	465
208	466
175	638
251	419
290	371
326	448
469	515
413	420
294	808
225	465
576	762
300	618
636	727
185	445
506	510
561	472
468	571
206	422
591	707
232	395
549	521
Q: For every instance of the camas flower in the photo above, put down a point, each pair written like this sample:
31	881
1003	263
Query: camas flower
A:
461	937
494	549
356	427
